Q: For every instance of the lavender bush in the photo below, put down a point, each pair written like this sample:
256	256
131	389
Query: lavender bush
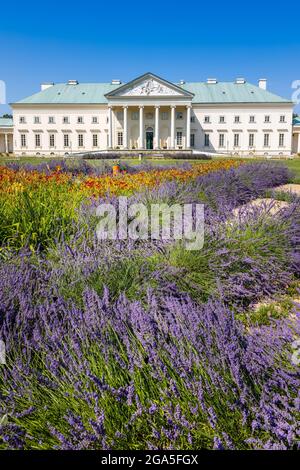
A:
166	375
252	256
80	166
75	167
221	191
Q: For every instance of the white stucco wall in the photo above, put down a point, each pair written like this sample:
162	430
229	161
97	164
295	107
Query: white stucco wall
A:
59	128
244	128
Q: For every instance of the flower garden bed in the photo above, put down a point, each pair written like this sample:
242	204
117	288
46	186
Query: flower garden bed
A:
134	345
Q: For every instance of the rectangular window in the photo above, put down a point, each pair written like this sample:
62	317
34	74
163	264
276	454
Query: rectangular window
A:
37	140
251	118
65	120
165	115
251	140
222	119
267	118
236	119
95	140
192	140
120	139
179	137
236	140
135	116
51	120
281	140
23	140
37	120
80	140
266	140
79	120
22	120
282	118
206	140
221	140
66	140
120	115
192	118
94	120
51	140
207	119
179	115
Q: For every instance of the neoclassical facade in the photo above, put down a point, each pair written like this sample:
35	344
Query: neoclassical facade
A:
151	113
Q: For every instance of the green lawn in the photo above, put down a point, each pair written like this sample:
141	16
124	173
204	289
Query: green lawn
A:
294	166
31	160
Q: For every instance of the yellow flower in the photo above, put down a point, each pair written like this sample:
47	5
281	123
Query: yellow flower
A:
17	187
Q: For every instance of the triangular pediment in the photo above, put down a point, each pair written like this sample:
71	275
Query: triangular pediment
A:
149	85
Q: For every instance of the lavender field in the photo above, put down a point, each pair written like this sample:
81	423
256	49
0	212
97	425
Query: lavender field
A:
123	344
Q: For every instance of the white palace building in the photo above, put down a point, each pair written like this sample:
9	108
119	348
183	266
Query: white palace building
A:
151	113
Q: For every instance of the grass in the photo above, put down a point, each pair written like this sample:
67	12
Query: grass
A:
232	253
265	312
129	275
234	256
39	217
294	166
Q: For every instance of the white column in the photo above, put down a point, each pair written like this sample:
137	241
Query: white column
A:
173	107
110	127
6	143
157	127
141	137
125	129
188	127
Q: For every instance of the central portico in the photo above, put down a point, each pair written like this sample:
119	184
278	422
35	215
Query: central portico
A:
149	113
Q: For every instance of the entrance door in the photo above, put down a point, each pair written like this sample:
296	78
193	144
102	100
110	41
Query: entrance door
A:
149	138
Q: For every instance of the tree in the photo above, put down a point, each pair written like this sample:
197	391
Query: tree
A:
7	116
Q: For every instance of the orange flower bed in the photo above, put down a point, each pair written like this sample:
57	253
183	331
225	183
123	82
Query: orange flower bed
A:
129	183
17	180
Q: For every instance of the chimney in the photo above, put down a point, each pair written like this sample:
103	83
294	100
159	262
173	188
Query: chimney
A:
44	86
72	82
182	82
262	83
212	81
240	81
116	81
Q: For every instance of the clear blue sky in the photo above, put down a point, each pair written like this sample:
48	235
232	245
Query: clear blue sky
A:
96	41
